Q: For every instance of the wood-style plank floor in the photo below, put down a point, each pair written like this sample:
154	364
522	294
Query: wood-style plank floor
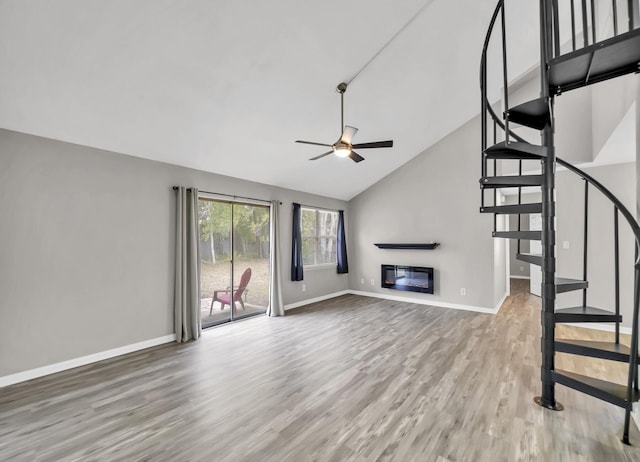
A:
349	379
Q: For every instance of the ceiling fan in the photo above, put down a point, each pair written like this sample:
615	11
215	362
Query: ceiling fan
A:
343	147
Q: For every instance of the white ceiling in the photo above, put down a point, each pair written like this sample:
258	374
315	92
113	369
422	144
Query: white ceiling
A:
226	86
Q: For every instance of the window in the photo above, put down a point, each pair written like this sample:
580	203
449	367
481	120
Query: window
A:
319	237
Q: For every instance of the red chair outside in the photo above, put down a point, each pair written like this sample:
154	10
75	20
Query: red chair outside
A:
225	297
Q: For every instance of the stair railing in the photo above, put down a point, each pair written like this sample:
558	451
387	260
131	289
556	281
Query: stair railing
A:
619	207
485	103
633	21
585	243
583	12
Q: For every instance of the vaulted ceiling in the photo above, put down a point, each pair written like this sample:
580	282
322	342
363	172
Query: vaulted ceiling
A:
226	86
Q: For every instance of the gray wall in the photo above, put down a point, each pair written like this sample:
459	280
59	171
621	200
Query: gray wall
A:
86	248
500	250
516	267
611	101
434	197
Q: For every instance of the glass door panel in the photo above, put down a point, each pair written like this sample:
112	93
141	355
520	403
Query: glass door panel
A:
251	247
234	260
215	261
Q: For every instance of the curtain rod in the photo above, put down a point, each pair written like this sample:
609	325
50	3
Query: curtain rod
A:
231	195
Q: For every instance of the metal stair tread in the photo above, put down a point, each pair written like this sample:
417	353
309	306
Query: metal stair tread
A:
533	114
567	285
585	314
515	150
513	209
533	258
510	181
601	61
601	389
529	235
605	350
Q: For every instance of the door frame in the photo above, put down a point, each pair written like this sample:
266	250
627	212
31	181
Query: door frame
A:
232	200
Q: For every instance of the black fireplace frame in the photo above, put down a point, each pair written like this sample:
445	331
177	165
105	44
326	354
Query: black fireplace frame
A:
406	287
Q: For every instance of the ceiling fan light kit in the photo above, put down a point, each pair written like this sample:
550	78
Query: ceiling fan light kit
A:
342	151
343	147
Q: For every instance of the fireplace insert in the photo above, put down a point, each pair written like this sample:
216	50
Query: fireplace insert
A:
409	278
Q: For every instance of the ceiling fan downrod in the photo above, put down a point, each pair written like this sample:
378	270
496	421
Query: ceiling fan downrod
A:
341	88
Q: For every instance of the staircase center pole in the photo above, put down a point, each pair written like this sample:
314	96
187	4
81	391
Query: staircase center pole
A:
547	399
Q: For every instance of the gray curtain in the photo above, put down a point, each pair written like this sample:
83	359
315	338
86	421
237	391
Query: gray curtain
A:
276	307
187	283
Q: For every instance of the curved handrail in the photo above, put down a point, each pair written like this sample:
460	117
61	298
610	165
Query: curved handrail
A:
487	40
487	37
483	70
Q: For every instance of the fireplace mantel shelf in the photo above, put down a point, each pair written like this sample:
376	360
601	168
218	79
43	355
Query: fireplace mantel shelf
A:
425	246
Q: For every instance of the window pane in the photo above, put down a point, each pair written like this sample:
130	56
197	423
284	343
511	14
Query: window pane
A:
328	223
327	250
308	250
308	224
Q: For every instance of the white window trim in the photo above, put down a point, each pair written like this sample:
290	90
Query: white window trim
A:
317	266
320	266
233	199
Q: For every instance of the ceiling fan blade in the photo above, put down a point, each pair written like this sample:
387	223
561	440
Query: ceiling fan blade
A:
321	155
348	133
311	142
375	144
354	156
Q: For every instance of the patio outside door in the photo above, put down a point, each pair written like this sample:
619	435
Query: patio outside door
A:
234	260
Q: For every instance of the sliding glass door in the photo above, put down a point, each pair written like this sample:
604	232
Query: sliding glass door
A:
234	260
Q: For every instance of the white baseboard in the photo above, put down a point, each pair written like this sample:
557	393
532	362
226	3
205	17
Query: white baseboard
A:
499	304
519	277
291	306
598	326
455	306
399	298
82	361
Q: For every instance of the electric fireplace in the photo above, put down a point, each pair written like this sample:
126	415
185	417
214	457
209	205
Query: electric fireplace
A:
409	278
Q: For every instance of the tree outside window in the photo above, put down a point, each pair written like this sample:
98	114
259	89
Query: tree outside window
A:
319	236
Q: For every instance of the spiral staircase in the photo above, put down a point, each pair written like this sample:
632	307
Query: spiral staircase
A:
589	59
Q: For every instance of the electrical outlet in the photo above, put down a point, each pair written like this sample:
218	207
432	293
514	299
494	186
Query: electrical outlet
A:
565	244
522	268
361	280
463	291
304	287
373	282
